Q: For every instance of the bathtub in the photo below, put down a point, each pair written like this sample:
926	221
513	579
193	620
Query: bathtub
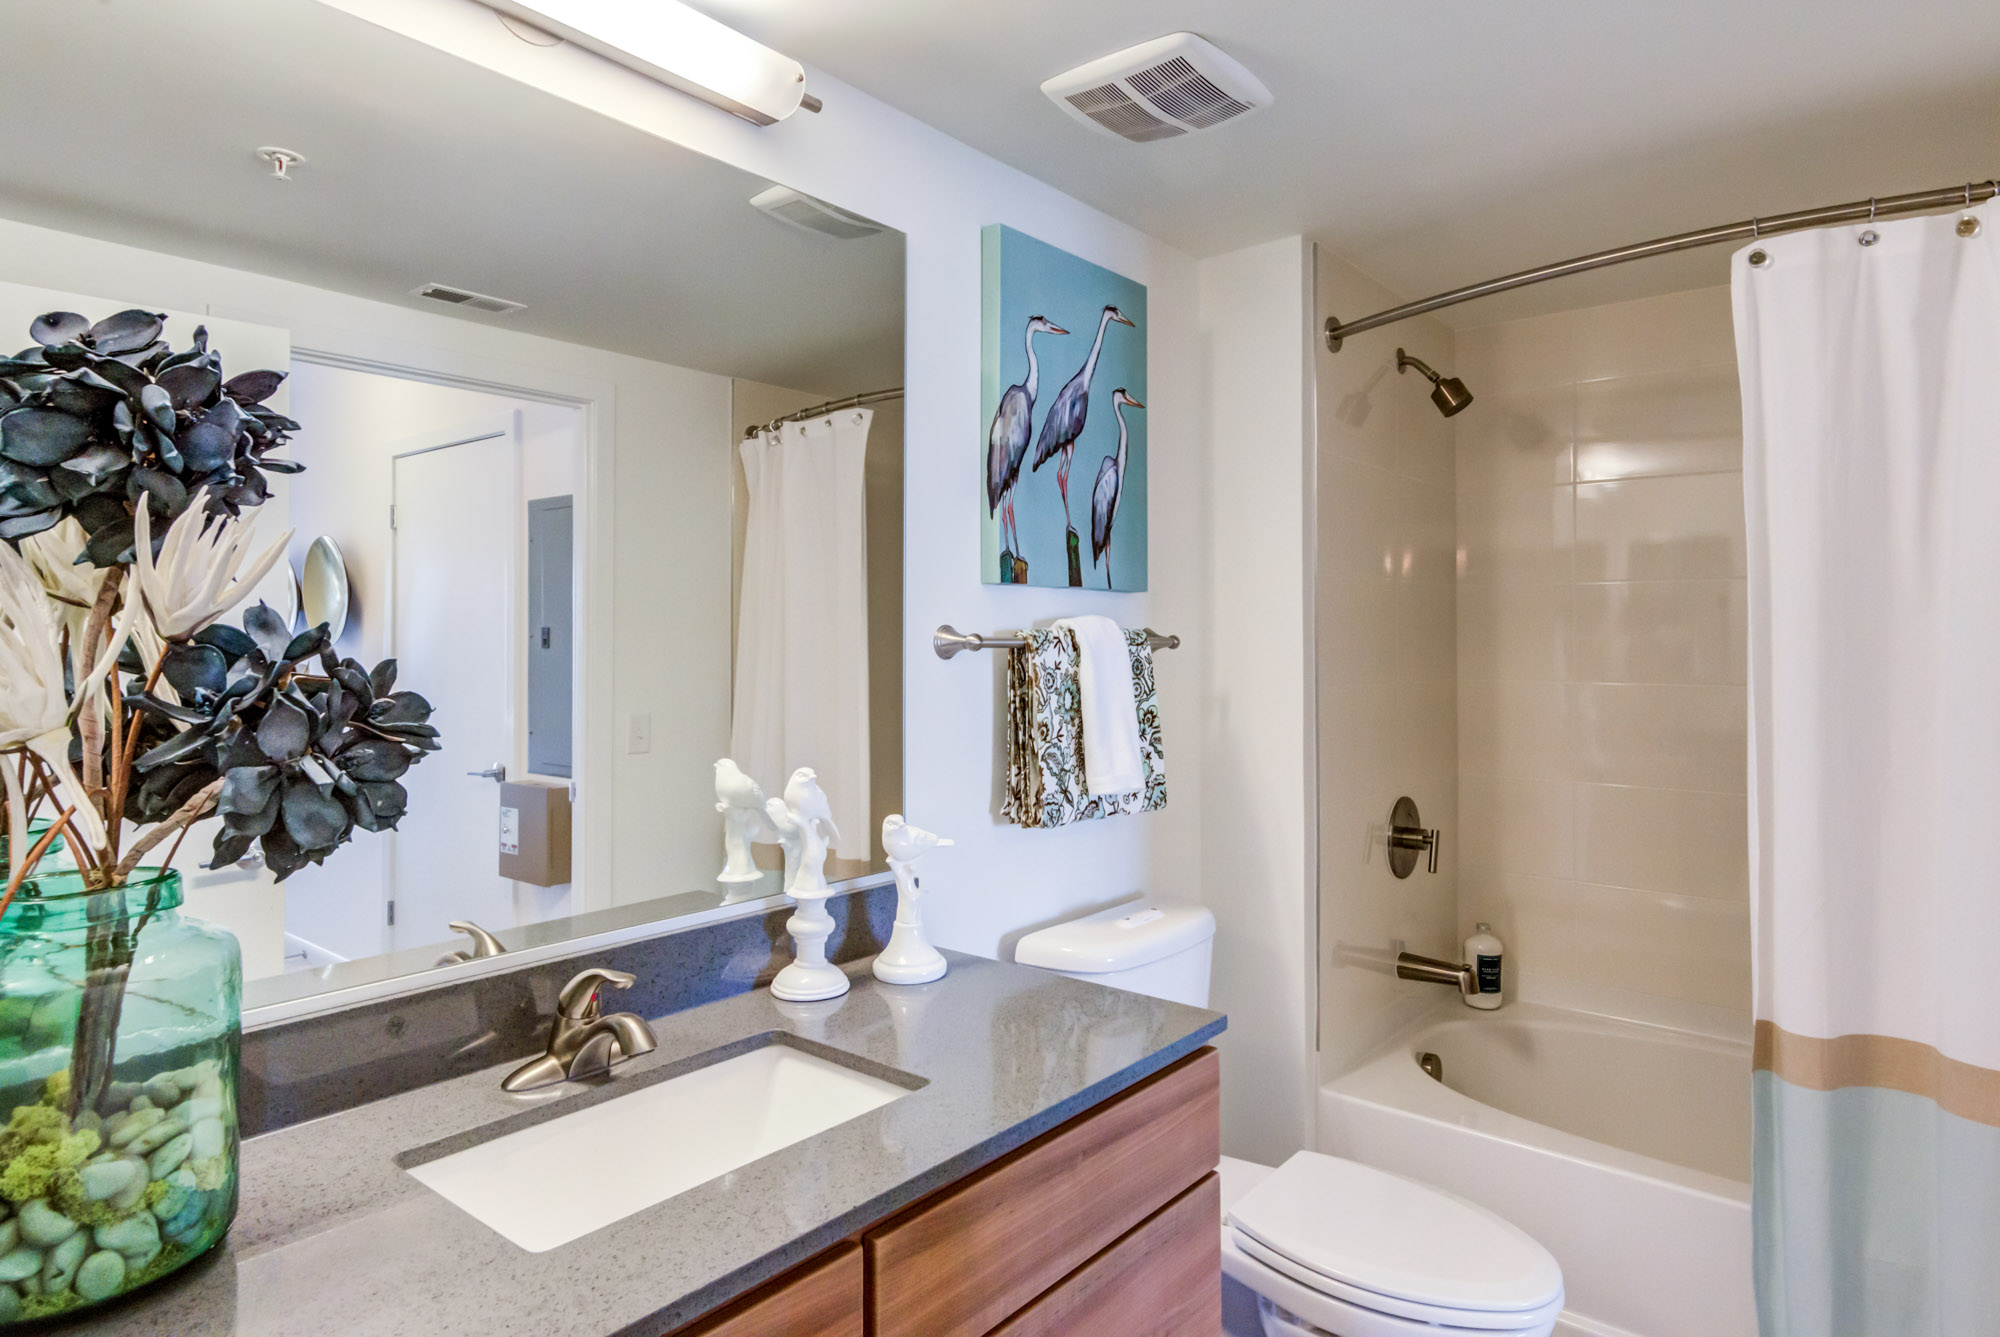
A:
1623	1147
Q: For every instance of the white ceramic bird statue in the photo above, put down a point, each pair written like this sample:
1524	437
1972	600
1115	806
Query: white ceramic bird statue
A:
909	958
814	815
805	823
905	843
791	836
740	800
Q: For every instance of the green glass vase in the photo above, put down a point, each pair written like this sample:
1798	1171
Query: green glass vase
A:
120	1022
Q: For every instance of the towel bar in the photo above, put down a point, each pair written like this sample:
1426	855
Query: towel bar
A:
948	641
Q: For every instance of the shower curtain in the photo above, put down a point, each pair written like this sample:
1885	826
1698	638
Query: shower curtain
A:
801	695
1870	361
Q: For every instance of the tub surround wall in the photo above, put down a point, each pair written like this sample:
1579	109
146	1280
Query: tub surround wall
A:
1386	700
1601	632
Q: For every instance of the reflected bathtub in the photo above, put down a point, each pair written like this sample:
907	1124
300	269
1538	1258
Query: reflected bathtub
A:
1623	1147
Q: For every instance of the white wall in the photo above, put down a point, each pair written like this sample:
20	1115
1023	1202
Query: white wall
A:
865	156
1255	725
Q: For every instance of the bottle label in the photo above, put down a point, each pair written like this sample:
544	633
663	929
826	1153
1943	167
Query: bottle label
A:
1489	974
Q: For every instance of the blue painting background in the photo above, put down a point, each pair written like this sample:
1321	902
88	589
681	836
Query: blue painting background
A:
1025	278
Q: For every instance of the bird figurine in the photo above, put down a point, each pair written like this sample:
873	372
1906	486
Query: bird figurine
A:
814	816
791	838
805	824
905	843
1064	425
740	800
1007	446
909	958
1110	487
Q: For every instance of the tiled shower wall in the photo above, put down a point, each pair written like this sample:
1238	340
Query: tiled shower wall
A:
1386	693
1601	628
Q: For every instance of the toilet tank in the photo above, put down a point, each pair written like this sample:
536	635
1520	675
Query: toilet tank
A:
1145	946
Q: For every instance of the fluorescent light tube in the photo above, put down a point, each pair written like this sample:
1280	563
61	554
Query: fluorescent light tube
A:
668	41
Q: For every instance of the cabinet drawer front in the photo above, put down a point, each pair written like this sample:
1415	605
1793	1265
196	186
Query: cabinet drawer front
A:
821	1298
962	1262
1162	1280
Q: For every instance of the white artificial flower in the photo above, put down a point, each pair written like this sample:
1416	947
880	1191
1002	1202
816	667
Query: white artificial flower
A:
52	555
203	570
35	708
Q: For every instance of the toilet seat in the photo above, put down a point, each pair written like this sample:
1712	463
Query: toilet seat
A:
1365	1253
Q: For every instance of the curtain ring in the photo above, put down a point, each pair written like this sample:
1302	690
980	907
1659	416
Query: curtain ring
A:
1871	208
1754	233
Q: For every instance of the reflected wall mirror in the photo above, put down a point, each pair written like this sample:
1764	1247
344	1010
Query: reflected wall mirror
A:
534	356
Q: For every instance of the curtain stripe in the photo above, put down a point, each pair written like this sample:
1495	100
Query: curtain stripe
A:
1964	1089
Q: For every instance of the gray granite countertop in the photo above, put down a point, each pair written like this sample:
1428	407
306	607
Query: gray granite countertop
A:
333	1237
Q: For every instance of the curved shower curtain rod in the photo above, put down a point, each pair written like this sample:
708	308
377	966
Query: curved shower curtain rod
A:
1864	211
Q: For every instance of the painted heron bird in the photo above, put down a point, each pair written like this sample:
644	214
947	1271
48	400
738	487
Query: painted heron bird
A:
1065	421
1110	487
1007	438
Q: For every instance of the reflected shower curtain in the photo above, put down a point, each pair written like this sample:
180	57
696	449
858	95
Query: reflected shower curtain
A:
801	695
1871	397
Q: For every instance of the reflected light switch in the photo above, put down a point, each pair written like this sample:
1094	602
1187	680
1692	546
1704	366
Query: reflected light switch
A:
639	735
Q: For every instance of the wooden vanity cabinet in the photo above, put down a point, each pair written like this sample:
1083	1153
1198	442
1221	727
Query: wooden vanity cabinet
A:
1109	1226
820	1298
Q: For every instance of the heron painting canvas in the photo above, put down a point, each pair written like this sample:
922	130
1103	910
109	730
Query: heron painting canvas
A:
1063	441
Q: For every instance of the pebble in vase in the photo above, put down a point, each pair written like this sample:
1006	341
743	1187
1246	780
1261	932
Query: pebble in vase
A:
909	958
741	802
805	827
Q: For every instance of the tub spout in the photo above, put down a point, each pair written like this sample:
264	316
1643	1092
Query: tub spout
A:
1410	966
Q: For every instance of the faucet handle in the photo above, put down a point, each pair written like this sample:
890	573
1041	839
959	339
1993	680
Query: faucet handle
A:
578	999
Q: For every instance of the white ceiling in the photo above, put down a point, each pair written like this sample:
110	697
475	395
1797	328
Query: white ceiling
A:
137	121
1440	142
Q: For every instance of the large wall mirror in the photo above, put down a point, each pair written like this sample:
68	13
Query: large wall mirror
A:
540	364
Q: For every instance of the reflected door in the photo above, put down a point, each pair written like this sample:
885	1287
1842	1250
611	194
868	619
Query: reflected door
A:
452	634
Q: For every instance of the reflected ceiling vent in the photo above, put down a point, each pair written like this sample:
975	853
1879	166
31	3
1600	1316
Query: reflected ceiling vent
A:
1162	89
474	301
802	211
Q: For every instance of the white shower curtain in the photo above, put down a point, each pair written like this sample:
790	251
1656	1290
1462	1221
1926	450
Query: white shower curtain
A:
801	694
1871	398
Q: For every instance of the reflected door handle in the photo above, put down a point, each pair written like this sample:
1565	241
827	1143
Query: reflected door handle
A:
490	773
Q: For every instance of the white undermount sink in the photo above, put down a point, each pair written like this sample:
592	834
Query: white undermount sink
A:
553	1182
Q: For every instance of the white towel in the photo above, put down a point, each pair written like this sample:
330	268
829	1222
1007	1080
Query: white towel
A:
1111	760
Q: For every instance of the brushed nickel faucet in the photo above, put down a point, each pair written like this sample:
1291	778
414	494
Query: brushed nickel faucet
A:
585	1041
484	944
1410	966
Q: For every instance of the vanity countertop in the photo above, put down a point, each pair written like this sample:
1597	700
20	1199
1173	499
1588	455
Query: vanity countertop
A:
332	1237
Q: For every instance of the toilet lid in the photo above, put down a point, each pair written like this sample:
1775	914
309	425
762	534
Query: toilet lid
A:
1379	1232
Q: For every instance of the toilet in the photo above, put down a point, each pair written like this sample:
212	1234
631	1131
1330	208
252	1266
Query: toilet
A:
1143	946
1334	1248
1321	1246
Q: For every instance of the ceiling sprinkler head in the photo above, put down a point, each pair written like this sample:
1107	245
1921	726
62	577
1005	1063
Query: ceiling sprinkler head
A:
282	161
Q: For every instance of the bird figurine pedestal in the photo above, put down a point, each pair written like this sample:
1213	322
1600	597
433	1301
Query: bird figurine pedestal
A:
804	822
810	976
909	958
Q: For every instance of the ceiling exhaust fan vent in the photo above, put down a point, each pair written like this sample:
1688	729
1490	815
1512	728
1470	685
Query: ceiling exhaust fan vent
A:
476	301
1162	89
797	209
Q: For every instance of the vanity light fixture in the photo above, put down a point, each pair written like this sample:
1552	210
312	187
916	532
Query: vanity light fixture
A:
681	47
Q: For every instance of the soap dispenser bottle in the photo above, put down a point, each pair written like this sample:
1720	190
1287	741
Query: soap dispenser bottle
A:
1483	953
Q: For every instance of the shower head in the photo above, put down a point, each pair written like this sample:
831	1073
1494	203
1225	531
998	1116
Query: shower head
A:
1447	392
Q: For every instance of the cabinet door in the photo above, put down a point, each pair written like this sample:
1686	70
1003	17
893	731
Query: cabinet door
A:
960	1263
821	1298
1162	1280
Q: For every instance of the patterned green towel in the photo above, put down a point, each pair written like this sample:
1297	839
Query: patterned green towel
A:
1045	784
